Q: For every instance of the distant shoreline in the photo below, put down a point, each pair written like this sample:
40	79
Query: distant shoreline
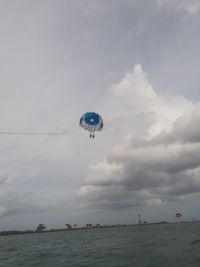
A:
19	232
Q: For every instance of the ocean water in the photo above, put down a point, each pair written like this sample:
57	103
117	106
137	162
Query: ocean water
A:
163	245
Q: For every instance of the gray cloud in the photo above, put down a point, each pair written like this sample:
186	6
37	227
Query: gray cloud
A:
185	129
58	59
4	179
152	168
189	7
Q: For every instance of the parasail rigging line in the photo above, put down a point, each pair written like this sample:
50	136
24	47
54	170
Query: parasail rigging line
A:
31	133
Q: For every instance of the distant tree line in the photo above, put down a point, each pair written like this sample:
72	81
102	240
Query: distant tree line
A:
40	227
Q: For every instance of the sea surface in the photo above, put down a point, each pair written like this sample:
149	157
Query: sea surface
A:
162	245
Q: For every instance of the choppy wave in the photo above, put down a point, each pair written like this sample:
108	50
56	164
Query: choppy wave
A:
169	245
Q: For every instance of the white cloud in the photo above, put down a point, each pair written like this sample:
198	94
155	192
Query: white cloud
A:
134	97
153	165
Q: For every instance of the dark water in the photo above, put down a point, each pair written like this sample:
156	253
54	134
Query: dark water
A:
171	245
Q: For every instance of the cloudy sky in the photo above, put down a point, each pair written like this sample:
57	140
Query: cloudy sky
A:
134	62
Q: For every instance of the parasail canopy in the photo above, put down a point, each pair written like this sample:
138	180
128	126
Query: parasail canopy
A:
178	215
91	122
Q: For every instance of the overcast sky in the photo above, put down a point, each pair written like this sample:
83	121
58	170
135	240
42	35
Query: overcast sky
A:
134	62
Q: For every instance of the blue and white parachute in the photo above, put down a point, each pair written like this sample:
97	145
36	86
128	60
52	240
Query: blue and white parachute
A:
91	122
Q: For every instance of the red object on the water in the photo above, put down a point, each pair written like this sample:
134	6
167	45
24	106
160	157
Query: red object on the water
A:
178	215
